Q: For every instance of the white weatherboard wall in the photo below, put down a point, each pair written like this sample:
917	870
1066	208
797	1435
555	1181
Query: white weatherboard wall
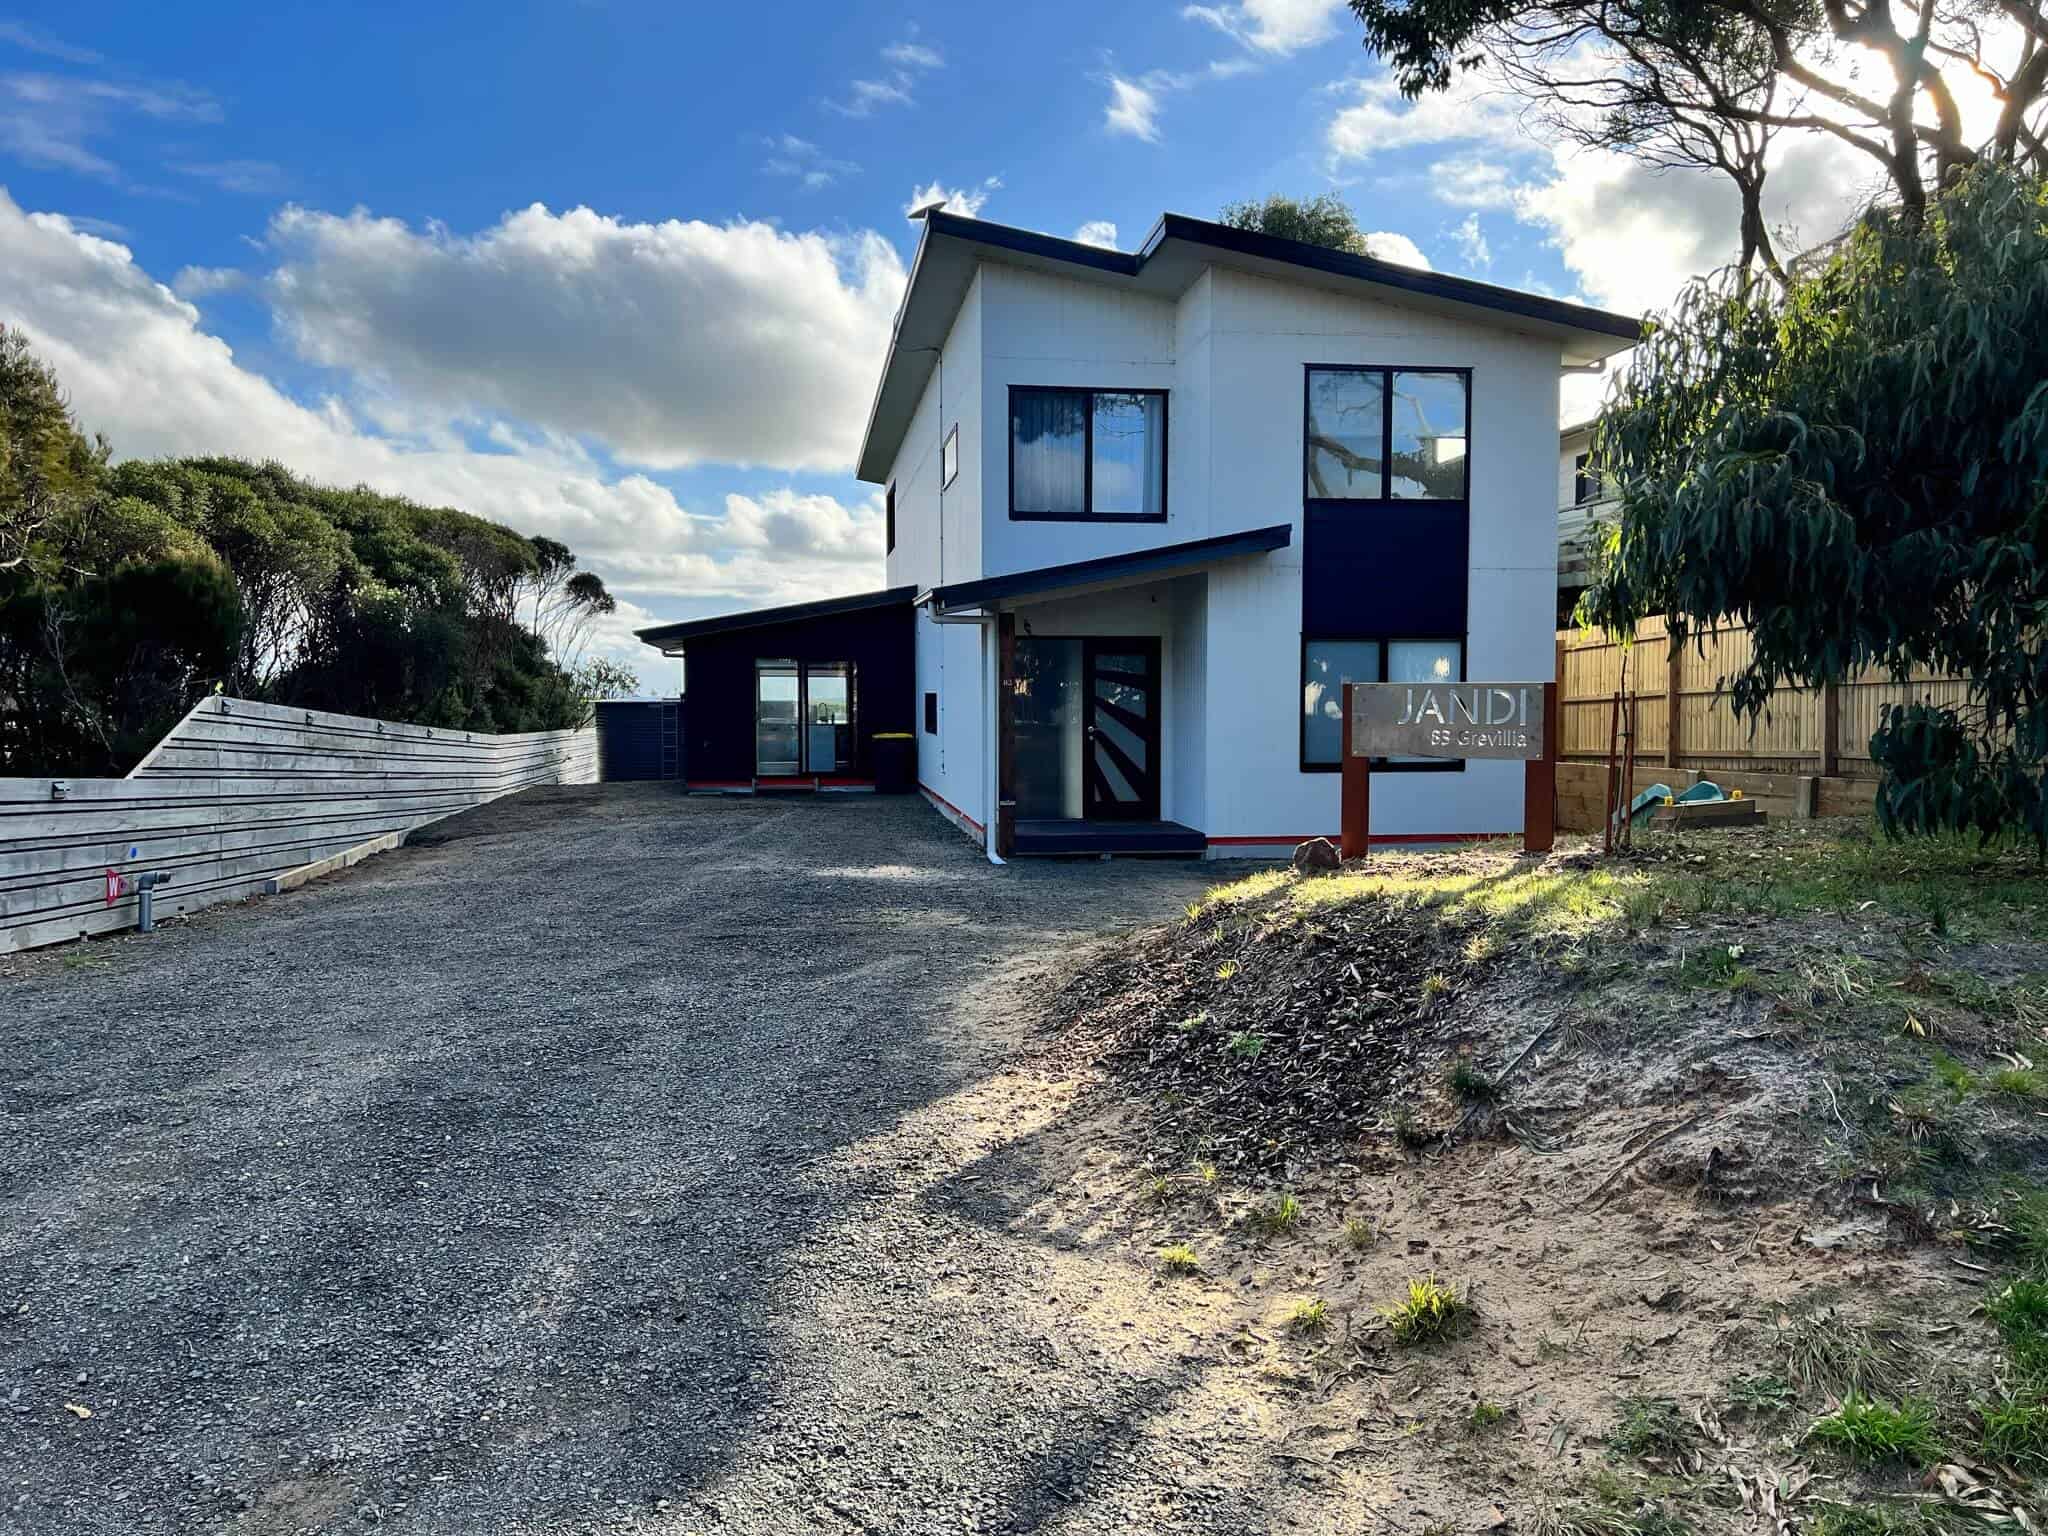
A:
938	539
1232	352
240	794
1262	335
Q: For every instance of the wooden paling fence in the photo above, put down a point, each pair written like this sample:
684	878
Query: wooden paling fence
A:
1824	732
1686	726
239	798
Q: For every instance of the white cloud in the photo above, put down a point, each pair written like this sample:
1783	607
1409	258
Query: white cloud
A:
1134	103
51	121
1388	245
965	201
1470	181
914	56
804	162
1472	243
908	60
139	367
671	343
19	34
1097	232
199	282
1132	109
1633	235
1382	119
255	178
1273	26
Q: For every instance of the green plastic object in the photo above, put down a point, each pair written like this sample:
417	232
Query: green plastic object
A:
1640	808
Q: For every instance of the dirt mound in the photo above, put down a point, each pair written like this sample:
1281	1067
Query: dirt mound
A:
1716	1143
1262	1026
1769	1006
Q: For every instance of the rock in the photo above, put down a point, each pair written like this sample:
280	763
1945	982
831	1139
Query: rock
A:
1317	856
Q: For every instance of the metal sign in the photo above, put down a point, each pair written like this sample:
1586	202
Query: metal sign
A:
1497	720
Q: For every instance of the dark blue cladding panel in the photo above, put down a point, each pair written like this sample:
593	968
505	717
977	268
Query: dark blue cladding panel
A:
1385	568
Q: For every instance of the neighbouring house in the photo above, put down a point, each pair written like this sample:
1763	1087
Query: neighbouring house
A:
1146	513
1584	505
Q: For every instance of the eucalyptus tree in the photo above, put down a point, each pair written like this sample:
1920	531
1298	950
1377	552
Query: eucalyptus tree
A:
1700	80
1855	468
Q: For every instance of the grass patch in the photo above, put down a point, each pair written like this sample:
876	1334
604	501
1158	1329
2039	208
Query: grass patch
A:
1411	1132
1360	1234
2020	1312
1471	1086
1282	1216
2028	1084
1180	1259
1649	1426
1310	1317
2016	1431
1873	1432
1159	1190
1434	986
1761	1394
1715	969
1953	1075
1826	1353
1484	1416
1586	1518
1430	1313
1247	1043
1893	1517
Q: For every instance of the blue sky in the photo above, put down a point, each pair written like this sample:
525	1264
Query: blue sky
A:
622	272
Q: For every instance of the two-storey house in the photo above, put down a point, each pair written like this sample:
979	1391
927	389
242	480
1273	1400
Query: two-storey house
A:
1147	512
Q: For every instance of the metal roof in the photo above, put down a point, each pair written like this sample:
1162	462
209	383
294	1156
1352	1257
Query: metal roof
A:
667	636
1173	256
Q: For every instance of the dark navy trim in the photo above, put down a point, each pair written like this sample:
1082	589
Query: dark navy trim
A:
1438	285
1029	242
666	635
1144	562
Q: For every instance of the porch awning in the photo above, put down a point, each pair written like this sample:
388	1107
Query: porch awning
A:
1111	570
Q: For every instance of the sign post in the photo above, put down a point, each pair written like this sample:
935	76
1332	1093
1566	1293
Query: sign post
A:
1497	721
1354	835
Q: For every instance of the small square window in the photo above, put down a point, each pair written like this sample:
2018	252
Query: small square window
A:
1326	666
949	457
931	714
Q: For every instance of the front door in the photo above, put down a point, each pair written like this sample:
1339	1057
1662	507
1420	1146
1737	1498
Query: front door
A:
1120	729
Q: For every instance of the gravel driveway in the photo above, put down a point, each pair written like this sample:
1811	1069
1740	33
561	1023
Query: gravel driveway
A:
613	1161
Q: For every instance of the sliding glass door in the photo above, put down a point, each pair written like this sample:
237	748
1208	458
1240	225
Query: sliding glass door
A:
803	718
778	687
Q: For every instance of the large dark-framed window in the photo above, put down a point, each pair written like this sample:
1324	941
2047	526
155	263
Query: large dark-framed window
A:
889	519
1381	433
1087	455
1329	662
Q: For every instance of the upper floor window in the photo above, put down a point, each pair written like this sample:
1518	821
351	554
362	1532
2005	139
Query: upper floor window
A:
1387	434
1585	483
1088	453
949	457
889	520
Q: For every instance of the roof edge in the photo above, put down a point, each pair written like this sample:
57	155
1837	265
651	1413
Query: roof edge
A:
662	636
1157	560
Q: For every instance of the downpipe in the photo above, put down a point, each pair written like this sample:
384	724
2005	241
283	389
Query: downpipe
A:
985	622
145	898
